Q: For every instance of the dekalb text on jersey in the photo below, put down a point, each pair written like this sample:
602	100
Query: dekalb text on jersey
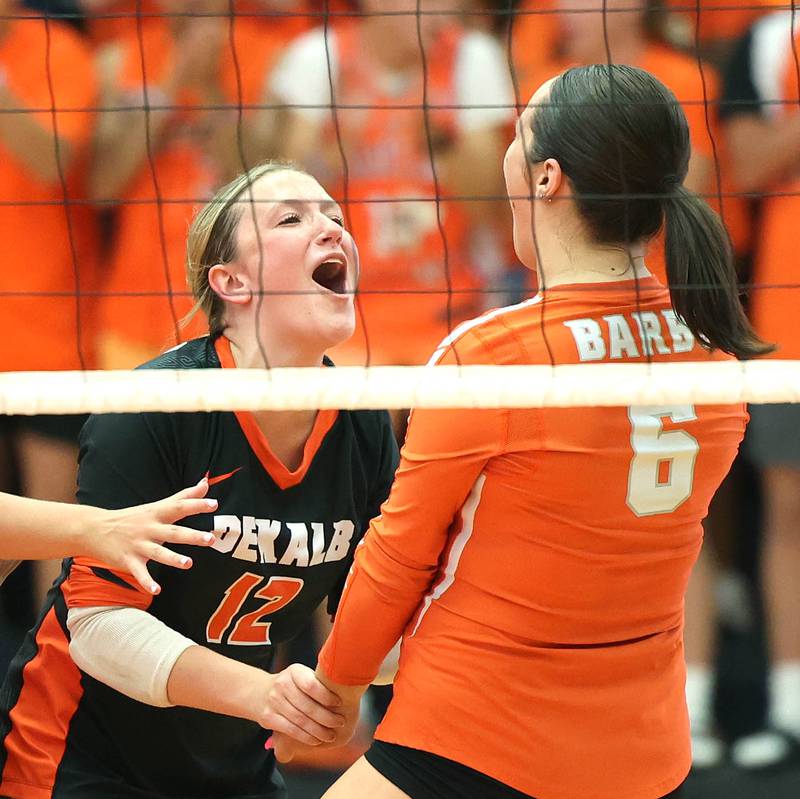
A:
298	543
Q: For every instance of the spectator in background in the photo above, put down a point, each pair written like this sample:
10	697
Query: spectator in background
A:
400	166
715	26
762	124
111	20
195	73
49	245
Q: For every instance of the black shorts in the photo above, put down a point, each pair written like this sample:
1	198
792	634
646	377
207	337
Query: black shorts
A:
425	776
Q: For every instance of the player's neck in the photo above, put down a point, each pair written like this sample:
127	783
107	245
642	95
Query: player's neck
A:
585	262
262	352
286	433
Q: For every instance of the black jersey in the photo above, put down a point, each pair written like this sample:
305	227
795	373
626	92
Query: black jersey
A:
287	546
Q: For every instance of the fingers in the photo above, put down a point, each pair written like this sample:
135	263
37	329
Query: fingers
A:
139	571
186	535
307	682
167	557
293	710
280	724
197	491
188	502
315	719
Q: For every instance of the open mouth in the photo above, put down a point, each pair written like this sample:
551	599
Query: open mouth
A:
331	275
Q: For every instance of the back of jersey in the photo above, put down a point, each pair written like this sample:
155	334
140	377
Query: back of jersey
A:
616	495
568	560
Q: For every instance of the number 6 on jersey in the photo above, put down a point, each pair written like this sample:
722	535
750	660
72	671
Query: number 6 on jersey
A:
662	469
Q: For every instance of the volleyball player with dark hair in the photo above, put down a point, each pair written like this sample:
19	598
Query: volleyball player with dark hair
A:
163	696
535	561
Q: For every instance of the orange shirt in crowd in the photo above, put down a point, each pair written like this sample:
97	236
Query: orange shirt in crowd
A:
535	561
145	291
118	20
412	239
50	248
718	19
775	296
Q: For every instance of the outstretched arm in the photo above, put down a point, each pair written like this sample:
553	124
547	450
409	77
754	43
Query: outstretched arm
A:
32	529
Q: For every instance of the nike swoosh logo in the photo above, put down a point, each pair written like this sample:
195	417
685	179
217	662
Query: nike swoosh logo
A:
220	477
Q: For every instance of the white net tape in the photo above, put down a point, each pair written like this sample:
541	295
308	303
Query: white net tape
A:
583	385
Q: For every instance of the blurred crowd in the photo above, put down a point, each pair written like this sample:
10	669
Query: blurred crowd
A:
119	117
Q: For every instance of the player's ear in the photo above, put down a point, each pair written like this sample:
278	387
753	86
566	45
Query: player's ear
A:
549	179
229	283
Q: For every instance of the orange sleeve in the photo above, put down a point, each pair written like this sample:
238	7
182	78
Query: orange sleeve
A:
398	561
92	584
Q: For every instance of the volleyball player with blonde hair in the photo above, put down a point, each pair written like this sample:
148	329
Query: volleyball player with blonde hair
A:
163	696
534	561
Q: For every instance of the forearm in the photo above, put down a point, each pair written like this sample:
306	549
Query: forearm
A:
138	655
196	678
350	695
32	529
379	600
33	144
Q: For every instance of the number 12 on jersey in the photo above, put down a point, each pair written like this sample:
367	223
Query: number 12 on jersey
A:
662	468
249	629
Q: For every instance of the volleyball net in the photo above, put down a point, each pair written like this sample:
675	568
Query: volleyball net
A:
402	109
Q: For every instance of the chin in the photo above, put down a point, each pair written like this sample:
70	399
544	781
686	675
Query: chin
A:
337	332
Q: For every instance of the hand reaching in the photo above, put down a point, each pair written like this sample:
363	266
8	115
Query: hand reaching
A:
126	539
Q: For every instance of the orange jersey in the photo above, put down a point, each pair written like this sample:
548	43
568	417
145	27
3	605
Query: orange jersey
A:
776	292
535	561
145	288
48	244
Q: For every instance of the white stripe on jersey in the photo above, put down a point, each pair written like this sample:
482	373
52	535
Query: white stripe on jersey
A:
464	327
468	510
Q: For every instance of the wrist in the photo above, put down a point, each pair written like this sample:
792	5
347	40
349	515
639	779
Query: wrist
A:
81	533
256	695
349	694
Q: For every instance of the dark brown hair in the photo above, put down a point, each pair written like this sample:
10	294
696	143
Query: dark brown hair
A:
622	140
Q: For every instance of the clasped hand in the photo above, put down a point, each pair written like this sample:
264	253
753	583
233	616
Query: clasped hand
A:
305	709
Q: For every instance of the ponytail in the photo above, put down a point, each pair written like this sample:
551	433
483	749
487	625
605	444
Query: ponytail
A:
702	280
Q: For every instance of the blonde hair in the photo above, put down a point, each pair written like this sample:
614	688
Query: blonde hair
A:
212	239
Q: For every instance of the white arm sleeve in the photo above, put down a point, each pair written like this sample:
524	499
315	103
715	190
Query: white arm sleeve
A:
127	649
302	77
483	79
